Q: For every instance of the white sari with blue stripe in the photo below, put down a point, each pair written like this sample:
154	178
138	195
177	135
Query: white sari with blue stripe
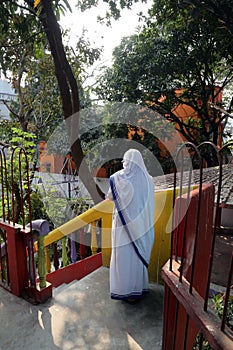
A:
132	190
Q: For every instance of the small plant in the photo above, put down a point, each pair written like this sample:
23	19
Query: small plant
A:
205	344
219	301
218	304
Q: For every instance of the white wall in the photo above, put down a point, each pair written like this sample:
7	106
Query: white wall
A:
8	94
226	218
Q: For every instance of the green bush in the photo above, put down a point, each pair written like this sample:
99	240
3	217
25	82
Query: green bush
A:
218	304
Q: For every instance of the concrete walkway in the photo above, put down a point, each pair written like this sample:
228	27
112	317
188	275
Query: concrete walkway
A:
82	316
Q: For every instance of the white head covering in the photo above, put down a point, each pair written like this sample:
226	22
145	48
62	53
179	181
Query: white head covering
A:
133	162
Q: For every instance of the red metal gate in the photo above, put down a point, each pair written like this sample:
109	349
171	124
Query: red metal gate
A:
189	321
17	266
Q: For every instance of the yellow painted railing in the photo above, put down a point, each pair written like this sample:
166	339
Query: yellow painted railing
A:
103	211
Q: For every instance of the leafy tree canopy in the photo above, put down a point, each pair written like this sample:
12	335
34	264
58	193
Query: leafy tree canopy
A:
175	51
29	31
219	11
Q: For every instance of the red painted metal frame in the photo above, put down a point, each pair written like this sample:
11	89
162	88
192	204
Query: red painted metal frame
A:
74	271
187	274
207	322
19	243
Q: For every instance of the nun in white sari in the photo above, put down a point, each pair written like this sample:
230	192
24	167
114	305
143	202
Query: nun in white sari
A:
132	190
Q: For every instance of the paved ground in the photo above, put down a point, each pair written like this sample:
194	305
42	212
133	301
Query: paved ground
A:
81	316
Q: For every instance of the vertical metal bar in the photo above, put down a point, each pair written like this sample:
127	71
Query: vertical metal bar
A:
2	246
7	259
5	176
29	192
185	229
165	330
175	326
2	186
21	187
186	331
184	233
22	152
173	205
1	255
12	186
196	229
179	194
215	223
7	189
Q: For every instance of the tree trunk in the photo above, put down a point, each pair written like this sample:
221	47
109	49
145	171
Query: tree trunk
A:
69	95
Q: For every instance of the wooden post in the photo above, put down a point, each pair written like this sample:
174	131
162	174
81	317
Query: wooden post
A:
82	246
41	262
17	260
64	252
94	245
43	289
47	260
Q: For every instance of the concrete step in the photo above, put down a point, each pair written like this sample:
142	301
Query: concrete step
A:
82	316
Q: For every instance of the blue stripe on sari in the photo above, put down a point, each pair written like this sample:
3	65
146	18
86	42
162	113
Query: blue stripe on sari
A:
135	295
115	195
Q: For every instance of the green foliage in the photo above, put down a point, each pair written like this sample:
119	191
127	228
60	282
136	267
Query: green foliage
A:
50	201
218	304
197	9
51	206
205	345
42	28
177	50
108	127
41	94
15	172
25	57
6	129
38	209
26	141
